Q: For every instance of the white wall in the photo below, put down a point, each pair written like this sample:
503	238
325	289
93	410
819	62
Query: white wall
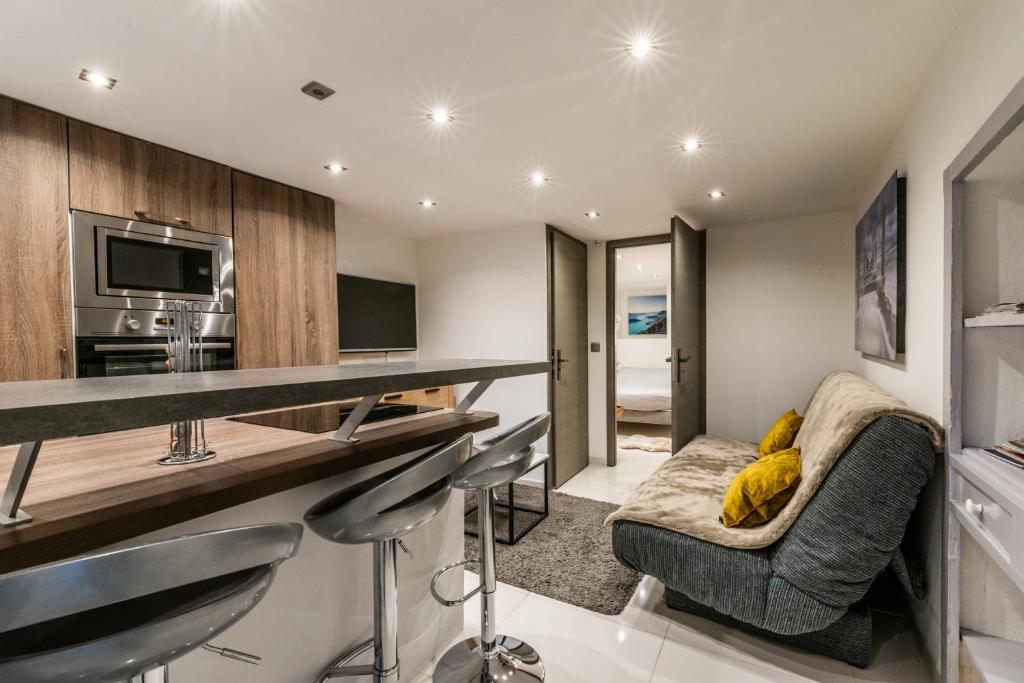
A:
596	370
369	251
780	301
982	61
484	295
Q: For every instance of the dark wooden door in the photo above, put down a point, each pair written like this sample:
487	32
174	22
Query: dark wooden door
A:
567	317
688	333
118	175
285	275
35	292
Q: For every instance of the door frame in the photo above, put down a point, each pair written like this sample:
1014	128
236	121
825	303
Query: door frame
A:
549	231
609	331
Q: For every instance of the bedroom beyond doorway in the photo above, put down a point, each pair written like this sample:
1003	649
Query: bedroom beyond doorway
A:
643	347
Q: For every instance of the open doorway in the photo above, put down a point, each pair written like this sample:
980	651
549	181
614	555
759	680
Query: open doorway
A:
655	337
640	344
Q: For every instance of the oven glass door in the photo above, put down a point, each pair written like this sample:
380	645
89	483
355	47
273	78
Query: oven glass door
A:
106	357
135	264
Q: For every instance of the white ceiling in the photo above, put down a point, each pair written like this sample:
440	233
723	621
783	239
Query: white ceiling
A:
655	261
795	100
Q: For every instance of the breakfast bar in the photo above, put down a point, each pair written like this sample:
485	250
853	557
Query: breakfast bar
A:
92	481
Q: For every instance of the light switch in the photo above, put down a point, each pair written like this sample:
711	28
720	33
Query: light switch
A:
595	347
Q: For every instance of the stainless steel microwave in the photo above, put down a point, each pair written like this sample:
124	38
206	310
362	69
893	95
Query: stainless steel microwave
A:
134	265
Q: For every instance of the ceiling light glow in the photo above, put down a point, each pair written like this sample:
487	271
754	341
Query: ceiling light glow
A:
428	203
335	168
639	266
716	194
440	116
618	256
690	145
640	47
591	214
98	79
538	178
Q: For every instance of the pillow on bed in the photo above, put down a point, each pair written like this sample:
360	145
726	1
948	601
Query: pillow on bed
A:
782	434
761	489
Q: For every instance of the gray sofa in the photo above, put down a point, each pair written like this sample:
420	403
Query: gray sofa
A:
808	587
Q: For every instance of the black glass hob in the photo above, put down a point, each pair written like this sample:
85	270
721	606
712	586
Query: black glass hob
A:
329	416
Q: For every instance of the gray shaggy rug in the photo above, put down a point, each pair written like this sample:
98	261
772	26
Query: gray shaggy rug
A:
567	557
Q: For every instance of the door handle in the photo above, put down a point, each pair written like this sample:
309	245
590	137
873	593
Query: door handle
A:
558	360
63	362
677	366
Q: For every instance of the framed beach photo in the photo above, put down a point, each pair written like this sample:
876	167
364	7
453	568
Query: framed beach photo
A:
648	315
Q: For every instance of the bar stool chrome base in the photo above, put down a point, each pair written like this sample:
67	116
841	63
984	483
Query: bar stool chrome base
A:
513	660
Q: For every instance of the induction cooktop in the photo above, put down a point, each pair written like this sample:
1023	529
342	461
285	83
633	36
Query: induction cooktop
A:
329	416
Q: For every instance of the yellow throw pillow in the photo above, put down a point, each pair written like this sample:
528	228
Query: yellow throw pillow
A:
762	489
781	435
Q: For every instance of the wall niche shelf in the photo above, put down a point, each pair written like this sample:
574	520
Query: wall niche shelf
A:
996	320
997	660
983	544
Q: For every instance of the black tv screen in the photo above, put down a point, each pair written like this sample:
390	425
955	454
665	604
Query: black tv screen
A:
375	315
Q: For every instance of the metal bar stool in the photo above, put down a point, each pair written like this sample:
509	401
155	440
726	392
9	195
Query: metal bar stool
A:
114	616
380	511
496	462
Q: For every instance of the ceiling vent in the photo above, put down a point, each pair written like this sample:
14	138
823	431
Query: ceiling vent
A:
316	90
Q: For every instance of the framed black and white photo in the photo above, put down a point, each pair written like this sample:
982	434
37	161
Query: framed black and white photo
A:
881	273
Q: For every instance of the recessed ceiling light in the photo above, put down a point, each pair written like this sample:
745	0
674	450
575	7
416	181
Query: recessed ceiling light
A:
690	145
640	47
591	214
97	79
440	116
428	203
335	168
656	275
639	266
618	256
716	194
538	178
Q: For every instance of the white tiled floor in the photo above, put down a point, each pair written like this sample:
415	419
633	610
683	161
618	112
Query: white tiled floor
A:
649	643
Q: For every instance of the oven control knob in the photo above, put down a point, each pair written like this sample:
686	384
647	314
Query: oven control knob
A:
133	324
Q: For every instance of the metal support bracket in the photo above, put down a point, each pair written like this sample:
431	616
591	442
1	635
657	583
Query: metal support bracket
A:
355	418
474	394
10	505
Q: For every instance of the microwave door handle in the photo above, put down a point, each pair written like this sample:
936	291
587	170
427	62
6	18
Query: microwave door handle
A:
151	347
148	217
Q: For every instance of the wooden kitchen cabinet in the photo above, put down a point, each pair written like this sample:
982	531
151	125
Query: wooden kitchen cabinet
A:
285	275
35	294
118	175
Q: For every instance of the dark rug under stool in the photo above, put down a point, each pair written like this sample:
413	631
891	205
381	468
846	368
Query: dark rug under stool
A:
567	557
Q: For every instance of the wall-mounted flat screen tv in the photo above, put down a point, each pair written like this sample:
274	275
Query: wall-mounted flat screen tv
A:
375	315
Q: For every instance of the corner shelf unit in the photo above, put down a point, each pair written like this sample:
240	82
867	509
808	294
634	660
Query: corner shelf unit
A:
983	542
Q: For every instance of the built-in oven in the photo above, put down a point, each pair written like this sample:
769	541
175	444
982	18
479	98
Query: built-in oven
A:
126	275
106	357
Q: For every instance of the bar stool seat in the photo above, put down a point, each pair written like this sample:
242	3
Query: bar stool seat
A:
380	511
491	657
115	615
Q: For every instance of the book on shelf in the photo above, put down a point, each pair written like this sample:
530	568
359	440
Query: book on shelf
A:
1005	307
1010	457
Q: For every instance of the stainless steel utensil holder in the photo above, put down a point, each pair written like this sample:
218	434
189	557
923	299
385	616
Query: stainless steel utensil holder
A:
185	354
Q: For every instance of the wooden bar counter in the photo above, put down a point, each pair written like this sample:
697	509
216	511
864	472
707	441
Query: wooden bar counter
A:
89	492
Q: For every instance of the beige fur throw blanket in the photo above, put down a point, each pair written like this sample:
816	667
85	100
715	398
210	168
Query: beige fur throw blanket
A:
685	494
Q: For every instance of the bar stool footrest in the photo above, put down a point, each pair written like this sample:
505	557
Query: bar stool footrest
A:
441	572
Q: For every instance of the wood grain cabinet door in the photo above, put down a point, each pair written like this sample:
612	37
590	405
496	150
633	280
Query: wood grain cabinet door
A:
285	275
35	296
118	175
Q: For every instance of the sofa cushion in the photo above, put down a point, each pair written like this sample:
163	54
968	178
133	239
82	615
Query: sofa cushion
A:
762	489
781	435
842	406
